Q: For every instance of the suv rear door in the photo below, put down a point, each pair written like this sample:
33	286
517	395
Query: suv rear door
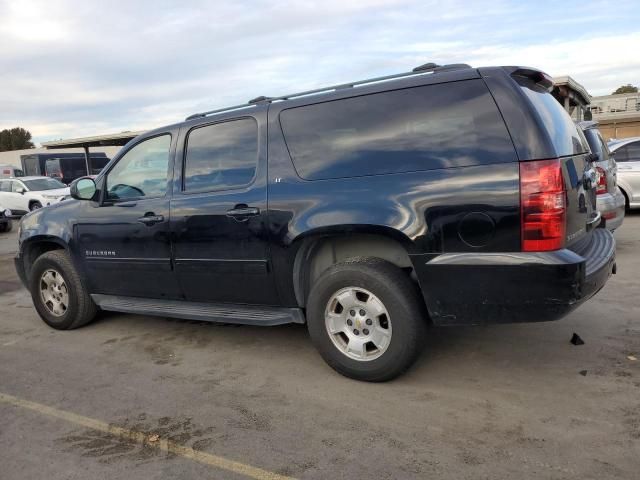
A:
219	211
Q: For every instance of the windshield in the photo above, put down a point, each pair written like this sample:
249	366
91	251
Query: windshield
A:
40	184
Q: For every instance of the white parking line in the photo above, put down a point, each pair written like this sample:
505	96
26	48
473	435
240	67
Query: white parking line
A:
146	439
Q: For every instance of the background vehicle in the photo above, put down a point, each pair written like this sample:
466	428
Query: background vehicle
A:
66	167
9	171
627	155
610	200
26	194
450	194
5	219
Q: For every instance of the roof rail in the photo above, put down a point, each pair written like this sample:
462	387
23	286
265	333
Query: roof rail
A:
422	69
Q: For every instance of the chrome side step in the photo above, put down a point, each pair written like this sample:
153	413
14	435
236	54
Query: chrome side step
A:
208	312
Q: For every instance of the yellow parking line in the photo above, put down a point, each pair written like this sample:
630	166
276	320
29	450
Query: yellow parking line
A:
144	439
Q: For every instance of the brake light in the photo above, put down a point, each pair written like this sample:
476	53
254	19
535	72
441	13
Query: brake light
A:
602	181
543	205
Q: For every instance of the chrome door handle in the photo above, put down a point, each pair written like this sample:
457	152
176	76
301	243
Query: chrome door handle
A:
242	213
151	219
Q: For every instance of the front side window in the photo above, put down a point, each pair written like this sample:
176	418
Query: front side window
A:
221	156
142	171
15	186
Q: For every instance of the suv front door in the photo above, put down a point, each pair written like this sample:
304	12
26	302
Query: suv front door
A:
219	209
124	239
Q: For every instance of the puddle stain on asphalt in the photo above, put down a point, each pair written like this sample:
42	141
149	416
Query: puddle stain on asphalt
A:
108	448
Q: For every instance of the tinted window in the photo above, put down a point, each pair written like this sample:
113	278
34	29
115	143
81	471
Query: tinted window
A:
5	186
633	152
43	184
566	137
97	164
142	171
620	155
596	143
435	126
221	156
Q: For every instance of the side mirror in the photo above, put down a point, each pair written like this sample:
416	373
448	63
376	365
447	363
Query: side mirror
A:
83	188
20	190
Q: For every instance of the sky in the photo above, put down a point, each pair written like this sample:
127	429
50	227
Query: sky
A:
72	68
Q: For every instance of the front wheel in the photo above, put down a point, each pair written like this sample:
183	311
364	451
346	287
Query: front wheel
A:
366	320
58	293
35	206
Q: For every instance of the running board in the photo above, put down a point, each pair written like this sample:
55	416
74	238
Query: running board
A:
208	312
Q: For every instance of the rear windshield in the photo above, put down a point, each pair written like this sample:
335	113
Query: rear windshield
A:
566	137
597	144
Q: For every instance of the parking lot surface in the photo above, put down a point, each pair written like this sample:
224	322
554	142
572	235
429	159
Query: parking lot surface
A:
140	397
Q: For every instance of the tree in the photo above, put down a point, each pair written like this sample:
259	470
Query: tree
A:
15	139
628	88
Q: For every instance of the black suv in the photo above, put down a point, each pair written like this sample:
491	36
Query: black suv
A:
448	195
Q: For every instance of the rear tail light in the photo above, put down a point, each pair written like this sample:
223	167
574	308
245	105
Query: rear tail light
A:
543	204
602	181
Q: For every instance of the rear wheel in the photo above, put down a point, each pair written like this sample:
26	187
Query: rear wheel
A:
366	320
58	294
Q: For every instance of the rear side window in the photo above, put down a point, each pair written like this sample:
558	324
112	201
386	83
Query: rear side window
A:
435	126
628	153
221	156
5	186
565	135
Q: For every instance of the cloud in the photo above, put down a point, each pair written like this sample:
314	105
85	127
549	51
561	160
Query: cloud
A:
72	68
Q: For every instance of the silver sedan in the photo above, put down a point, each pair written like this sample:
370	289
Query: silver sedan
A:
627	154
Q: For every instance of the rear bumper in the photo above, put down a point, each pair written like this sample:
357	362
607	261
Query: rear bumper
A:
481	288
611	206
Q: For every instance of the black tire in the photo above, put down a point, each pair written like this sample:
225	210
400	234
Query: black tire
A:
34	206
80	310
627	207
6	227
400	298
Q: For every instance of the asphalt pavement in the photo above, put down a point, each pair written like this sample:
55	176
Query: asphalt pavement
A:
148	397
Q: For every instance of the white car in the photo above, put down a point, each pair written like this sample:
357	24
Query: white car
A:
627	154
24	194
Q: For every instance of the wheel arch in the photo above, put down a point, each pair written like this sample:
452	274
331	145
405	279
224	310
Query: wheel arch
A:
32	201
627	200
318	250
37	245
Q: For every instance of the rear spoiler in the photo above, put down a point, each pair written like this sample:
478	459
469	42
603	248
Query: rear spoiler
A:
536	76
